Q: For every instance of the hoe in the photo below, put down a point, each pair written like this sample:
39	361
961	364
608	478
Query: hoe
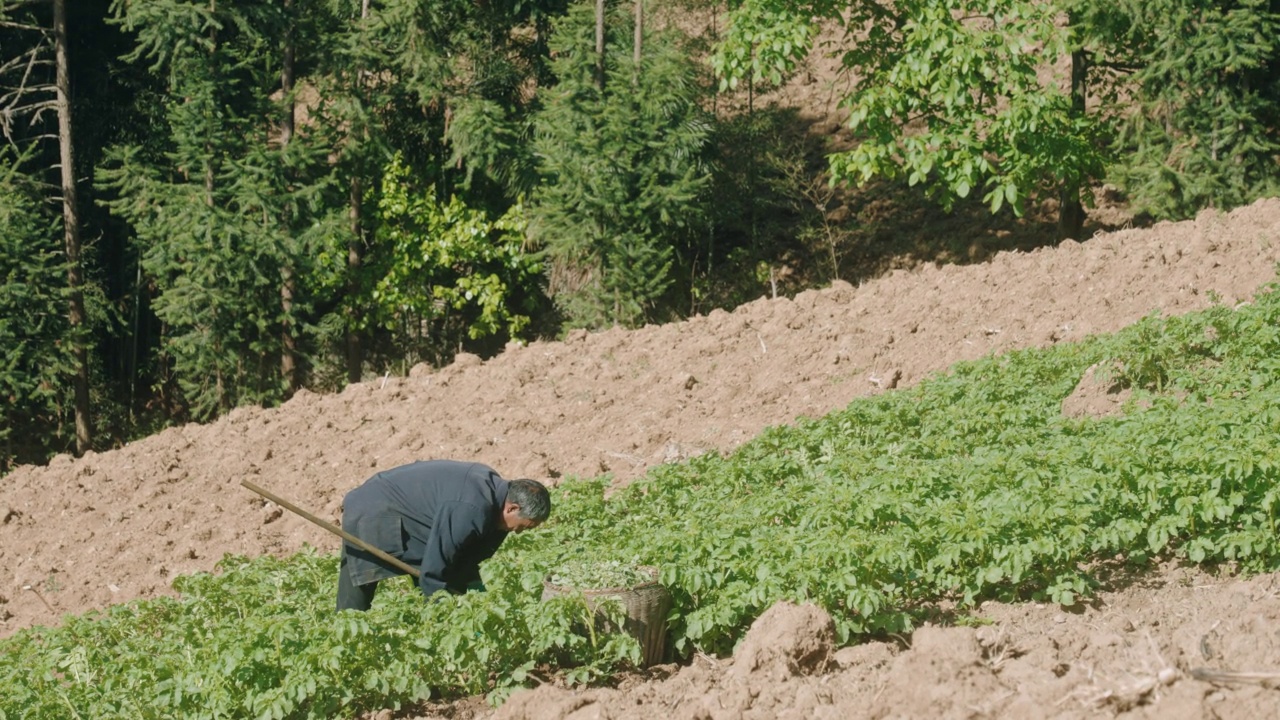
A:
380	554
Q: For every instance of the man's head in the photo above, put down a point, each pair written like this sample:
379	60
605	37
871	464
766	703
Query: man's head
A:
528	505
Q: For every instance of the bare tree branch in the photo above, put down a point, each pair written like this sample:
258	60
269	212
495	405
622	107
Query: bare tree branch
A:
34	55
34	110
21	59
12	105
41	137
17	93
7	118
20	26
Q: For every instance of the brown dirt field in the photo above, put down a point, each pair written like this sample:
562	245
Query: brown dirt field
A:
115	526
1138	653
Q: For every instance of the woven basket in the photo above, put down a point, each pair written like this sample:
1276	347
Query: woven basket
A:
647	606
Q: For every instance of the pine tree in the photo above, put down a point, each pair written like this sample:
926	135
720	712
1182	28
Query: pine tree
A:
34	329
445	89
229	214
71	231
1202	127
35	106
621	171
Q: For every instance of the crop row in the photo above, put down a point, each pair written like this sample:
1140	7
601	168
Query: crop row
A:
972	485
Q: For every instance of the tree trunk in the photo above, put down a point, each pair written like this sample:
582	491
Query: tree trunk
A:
355	251
600	44
71	233
208	144
286	77
288	342
355	257
288	281
639	40
1070	209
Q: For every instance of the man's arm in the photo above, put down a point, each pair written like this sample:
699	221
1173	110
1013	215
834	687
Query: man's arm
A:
456	526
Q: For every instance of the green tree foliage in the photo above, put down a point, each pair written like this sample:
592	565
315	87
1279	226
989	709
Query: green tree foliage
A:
621	171
506	54
445	272
444	88
765	41
226	211
1204	126
951	95
34	332
1178	102
469	68
953	98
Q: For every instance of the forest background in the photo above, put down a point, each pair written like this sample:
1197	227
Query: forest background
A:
210	204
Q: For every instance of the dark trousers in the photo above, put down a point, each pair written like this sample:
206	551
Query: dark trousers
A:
350	595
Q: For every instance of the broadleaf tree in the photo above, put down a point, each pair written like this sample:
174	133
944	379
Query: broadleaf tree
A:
1014	99
445	273
957	96
445	88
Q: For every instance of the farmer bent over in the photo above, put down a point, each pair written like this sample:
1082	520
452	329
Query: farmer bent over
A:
443	516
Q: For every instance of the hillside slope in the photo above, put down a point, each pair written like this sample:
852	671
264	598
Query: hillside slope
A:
111	527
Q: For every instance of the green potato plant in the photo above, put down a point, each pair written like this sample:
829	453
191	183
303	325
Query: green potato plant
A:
969	486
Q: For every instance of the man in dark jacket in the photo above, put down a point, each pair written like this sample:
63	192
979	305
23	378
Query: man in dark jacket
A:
445	517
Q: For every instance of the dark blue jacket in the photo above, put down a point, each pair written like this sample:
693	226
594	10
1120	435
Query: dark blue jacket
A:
439	515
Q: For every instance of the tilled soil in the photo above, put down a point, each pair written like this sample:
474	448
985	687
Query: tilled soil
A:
110	527
1181	645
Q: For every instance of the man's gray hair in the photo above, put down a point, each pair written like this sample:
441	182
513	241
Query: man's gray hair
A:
532	497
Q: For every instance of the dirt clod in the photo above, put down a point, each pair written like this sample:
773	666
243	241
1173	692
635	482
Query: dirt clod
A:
787	639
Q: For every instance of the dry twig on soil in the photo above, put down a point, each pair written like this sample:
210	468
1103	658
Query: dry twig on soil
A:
1266	679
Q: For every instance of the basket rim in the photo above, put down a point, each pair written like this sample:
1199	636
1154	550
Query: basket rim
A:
651	569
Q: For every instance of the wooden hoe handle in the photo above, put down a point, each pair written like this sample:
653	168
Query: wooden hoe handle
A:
376	552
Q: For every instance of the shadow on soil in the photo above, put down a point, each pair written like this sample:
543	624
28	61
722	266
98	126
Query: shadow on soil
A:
779	224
